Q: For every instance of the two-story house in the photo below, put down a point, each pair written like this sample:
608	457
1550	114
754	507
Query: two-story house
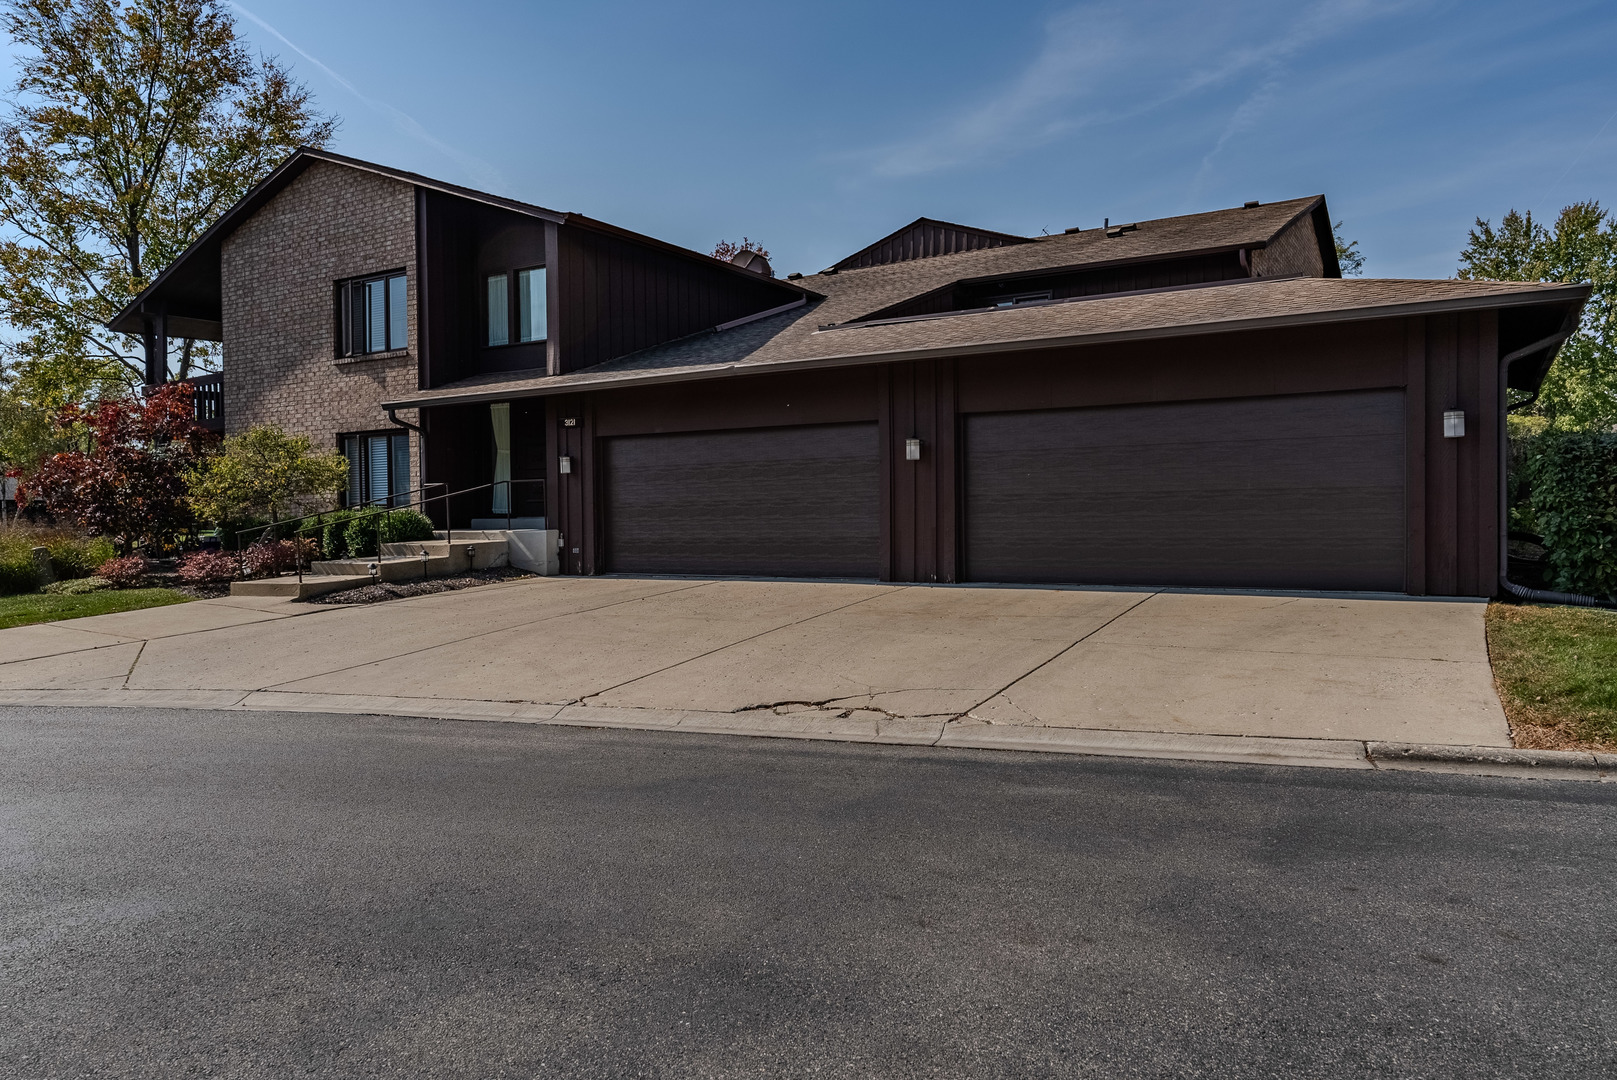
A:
1197	400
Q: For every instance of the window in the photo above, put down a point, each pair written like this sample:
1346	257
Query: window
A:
374	315
378	469
1025	298
516	307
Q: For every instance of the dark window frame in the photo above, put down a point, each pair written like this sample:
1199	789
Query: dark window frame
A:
397	484
513	312
347	331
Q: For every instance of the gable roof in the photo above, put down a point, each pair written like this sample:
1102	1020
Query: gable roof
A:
924	238
189	288
797	339
881	287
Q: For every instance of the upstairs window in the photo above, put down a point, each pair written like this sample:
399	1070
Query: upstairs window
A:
516	307
374	315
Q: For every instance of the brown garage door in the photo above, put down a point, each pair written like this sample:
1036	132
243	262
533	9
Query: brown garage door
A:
793	502
1282	492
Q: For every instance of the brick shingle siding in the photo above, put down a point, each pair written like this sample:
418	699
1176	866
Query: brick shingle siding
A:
278	273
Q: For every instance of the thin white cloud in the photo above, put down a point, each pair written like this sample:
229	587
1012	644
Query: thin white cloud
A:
1107	62
478	171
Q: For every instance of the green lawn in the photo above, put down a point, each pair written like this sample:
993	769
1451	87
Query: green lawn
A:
47	607
1557	673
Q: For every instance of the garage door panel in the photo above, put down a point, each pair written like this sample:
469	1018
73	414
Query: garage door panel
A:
1293	492
798	501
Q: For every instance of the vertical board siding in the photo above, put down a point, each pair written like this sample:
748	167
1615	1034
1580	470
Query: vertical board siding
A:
918	536
617	297
923	240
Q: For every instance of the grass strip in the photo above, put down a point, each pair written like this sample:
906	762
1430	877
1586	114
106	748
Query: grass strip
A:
1556	670
48	607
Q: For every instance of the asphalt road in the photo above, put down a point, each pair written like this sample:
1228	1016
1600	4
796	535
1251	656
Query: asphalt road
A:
254	895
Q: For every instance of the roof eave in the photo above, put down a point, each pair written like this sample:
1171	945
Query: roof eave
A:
1568	294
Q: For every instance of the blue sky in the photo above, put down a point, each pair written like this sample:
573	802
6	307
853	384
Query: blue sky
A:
817	127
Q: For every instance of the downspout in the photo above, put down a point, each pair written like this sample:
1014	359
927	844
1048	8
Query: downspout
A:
1522	592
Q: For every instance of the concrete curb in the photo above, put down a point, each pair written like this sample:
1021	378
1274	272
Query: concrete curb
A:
1493	761
865	728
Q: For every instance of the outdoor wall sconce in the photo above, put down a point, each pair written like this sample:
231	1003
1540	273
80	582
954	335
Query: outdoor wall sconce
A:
1454	424
565	465
912	449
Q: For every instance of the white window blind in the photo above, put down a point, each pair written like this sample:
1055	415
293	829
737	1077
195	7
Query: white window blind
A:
499	310
500	415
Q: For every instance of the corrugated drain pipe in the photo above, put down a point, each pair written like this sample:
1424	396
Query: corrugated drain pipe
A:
1522	592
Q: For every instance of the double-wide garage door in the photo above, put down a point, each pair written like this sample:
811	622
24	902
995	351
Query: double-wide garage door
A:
1304	491
794	502
1281	492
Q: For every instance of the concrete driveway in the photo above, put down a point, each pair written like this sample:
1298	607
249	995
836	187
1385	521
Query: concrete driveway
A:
896	658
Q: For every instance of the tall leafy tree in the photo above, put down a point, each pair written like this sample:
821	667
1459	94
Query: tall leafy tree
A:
1580	392
131	126
1348	255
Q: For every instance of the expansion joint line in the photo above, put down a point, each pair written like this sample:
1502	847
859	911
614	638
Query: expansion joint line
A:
1004	689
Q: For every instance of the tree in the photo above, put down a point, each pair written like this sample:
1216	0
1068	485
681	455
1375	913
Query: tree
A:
725	250
264	472
1580	391
132	125
129	484
1348	255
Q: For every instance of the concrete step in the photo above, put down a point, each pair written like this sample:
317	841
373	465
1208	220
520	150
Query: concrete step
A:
534	550
396	569
466	553
290	586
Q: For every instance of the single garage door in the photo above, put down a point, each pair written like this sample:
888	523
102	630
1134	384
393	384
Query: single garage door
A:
1281	492
793	502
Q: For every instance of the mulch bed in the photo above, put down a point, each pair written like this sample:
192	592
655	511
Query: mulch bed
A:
394	590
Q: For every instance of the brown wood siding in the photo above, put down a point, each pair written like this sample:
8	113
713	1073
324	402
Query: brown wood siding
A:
571	498
757	401
1308	360
1283	492
796	502
1459	355
918	526
923	240
614	297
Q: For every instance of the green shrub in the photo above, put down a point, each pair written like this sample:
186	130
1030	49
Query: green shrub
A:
78	557
334	535
1571	482
78	586
17	571
406	527
396	527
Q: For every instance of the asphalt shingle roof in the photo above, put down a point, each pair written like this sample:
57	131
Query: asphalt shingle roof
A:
793	339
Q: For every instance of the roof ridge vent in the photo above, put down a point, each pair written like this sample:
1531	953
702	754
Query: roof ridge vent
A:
1250	204
1119	230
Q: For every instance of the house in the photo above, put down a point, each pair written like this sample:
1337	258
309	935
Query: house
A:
1195	400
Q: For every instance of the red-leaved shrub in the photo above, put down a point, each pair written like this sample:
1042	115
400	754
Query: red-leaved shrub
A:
125	572
278	556
204	568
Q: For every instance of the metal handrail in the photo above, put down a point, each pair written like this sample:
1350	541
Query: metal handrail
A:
449	528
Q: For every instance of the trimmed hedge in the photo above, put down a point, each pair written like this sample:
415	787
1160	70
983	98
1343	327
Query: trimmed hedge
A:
396	527
1569	480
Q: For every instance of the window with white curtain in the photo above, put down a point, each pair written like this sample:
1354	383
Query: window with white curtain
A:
531	314
499	309
374	315
500	416
516	307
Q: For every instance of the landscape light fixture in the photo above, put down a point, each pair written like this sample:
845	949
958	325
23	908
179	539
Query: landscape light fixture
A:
1454	424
